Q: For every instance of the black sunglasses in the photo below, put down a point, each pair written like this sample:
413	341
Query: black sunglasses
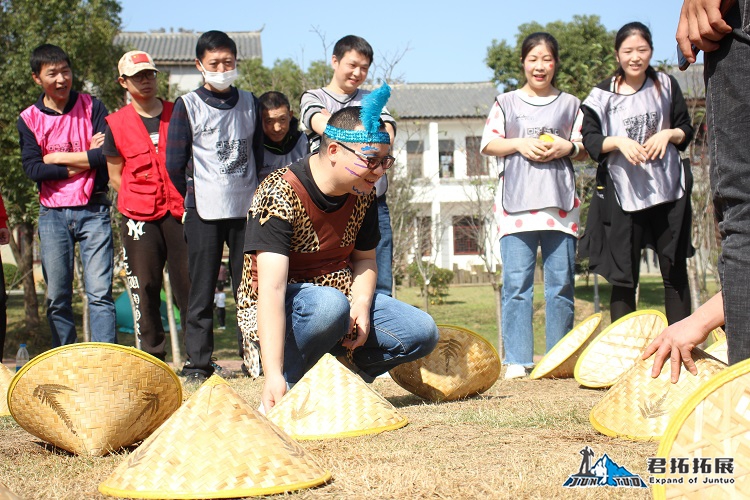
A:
373	162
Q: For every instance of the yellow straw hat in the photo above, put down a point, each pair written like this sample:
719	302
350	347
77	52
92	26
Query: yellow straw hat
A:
617	348
638	406
93	398
714	423
330	401
5	377
463	364
215	446
560	361
718	334
719	350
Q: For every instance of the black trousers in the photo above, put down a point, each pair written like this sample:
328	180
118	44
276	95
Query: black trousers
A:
206	239
148	247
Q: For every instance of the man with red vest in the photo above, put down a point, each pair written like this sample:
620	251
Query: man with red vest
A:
4	240
151	207
60	136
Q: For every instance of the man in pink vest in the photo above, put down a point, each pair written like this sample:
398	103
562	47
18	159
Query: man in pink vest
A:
60	137
135	145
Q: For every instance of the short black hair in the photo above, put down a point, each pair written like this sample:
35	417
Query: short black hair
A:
345	119
274	100
352	42
47	54
214	40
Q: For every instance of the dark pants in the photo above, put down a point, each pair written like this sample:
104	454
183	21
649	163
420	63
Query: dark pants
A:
148	246
206	239
728	111
221	315
3	305
654	221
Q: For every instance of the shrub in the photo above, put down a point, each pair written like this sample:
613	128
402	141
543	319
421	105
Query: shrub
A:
12	279
439	280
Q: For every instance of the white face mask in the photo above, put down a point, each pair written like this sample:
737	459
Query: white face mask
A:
219	81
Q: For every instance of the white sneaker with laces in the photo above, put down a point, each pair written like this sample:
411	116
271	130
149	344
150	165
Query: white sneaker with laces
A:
515	371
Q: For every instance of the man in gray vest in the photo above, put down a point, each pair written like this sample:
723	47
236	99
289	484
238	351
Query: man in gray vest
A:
214	148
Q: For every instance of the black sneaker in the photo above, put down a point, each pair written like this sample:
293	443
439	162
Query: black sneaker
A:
195	378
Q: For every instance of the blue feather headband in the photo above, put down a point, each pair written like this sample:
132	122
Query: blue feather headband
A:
372	105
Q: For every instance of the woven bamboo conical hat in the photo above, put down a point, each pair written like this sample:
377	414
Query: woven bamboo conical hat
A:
560	361
713	423
330	401
718	334
215	446
638	406
719	350
6	494
617	348
5	377
463	364
93	398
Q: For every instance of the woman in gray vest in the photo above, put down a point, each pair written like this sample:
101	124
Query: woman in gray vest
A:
634	126
535	133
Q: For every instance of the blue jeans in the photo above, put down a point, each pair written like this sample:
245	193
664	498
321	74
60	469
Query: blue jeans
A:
384	250
318	319
59	231
518	252
727	72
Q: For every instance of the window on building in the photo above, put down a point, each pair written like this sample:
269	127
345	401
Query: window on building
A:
476	164
424	235
467	235
446	148
415	158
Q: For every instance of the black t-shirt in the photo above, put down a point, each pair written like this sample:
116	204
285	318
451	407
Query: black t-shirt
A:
109	148
276	234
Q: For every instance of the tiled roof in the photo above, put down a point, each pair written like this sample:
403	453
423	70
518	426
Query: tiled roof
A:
442	100
180	46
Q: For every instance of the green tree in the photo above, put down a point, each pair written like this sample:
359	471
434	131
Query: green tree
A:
586	55
85	30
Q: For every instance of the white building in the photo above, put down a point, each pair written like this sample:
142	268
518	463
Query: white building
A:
174	52
439	131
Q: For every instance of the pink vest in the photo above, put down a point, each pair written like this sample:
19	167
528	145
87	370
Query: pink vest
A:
68	133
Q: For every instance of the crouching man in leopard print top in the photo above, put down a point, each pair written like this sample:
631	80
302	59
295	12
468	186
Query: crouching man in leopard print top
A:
309	277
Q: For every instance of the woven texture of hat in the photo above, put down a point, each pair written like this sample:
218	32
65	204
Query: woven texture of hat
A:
638	406
5	377
713	423
718	334
617	348
560	361
215	446
719	350
93	398
330	401
461	365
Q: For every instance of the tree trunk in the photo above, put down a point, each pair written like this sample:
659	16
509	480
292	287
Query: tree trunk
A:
173	335
25	262
695	285
426	296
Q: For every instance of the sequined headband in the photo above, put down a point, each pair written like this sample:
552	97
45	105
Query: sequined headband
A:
372	105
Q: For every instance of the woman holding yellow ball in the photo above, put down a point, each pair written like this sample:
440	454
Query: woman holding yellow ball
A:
535	133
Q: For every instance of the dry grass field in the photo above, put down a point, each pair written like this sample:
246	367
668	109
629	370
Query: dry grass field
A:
521	439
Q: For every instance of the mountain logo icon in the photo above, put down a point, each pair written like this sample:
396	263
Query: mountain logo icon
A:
603	472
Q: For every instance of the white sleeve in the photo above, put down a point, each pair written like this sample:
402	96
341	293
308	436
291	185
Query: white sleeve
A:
494	127
575	134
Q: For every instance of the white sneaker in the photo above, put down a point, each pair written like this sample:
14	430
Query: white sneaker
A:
515	371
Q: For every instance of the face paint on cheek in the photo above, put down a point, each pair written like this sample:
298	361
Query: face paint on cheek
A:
357	191
365	149
355	174
550	66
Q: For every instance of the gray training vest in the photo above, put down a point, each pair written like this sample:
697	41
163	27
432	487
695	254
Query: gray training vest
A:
224	171
639	116
530	185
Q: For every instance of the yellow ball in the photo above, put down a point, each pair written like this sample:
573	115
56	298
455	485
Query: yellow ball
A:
547	138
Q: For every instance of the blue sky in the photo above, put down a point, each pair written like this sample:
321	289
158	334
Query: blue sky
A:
446	41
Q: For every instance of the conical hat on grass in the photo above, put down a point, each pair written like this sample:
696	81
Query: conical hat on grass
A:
638	406
718	334
93	398
560	361
719	350
215	446
617	348
463	364
330	401
714	423
6	494
5	377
